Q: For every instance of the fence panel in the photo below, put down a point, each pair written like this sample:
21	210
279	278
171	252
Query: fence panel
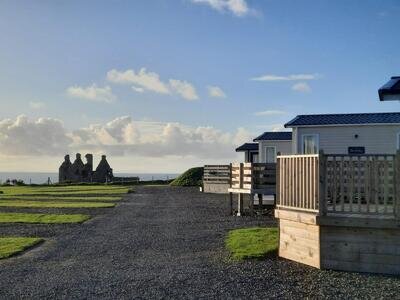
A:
217	174
360	184
299	182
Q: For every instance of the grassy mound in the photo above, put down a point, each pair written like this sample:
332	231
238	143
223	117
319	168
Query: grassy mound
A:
192	177
256	242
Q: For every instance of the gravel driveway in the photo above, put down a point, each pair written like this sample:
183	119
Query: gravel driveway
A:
164	242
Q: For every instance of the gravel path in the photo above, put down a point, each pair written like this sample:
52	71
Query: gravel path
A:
164	242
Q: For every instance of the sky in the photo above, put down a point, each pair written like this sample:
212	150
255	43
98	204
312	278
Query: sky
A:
164	85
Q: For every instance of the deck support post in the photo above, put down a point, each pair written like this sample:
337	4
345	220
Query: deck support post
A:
231	203
240	205
251	204
260	201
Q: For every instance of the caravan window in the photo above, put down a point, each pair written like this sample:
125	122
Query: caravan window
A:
398	141
310	144
270	154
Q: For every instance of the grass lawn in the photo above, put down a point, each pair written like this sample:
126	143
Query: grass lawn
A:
42	218
255	242
54	204
13	245
58	198
67	190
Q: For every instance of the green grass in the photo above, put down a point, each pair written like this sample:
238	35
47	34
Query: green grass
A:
13	245
42	218
255	242
67	190
62	198
52	204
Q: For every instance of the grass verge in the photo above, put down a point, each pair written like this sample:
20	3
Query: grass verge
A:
255	242
52	204
58	198
68	190
42	218
13	245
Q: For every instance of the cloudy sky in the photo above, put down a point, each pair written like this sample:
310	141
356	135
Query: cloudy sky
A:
163	85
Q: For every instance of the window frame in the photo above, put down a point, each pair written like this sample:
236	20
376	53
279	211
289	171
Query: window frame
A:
276	154
316	135
398	141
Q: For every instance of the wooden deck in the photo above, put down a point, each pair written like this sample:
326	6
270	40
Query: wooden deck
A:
340	212
252	179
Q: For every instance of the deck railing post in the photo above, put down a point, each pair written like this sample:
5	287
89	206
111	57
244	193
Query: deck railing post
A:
396	199
277	179
321	188
231	175
241	175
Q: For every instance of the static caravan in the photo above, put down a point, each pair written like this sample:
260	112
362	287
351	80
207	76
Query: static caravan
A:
271	143
250	152
365	133
340	208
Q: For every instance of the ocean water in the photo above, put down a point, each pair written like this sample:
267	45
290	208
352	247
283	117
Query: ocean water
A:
39	178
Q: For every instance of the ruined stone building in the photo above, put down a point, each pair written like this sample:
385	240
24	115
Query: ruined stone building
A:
83	172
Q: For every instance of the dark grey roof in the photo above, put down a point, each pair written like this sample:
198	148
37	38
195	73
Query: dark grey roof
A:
247	147
345	119
392	87
274	136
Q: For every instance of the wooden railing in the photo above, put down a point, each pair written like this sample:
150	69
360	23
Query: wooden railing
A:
340	184
253	176
362	184
298	182
241	176
217	174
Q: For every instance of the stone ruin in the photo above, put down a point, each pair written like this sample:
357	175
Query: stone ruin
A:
83	172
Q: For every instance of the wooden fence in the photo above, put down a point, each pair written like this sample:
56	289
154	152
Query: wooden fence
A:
298	182
363	184
217	174
253	177
340	184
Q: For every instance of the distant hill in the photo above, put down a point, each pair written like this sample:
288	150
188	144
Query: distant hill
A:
192	177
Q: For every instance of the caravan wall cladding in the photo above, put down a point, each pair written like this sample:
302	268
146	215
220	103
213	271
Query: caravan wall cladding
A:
376	139
282	147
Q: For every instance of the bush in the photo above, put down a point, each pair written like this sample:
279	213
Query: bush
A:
192	177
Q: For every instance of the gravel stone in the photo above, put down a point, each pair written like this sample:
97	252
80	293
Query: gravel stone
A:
166	243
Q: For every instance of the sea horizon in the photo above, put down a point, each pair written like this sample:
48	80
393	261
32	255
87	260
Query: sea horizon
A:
42	177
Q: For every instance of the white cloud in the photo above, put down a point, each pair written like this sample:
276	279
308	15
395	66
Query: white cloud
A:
147	80
131	146
150	81
292	77
123	136
272	127
302	87
184	89
270	113
36	105
119	137
238	8
138	89
216	92
45	136
92	93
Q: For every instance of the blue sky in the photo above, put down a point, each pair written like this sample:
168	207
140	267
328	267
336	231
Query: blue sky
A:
57	57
